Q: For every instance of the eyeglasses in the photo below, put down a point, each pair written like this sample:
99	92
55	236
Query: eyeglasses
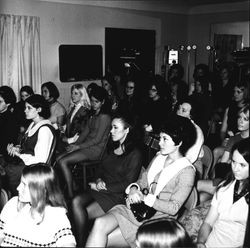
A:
153	89
130	87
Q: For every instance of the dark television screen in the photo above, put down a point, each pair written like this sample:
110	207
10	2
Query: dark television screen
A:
80	62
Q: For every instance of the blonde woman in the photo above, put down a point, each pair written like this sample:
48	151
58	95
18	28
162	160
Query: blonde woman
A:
76	118
78	112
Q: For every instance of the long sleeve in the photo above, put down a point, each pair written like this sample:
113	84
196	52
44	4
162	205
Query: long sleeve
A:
183	186
95	134
42	147
131	173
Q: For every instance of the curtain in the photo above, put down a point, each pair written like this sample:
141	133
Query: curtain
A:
20	62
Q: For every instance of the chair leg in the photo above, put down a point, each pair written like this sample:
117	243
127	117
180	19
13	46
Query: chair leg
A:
84	174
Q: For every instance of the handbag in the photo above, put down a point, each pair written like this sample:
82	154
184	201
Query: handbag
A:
142	211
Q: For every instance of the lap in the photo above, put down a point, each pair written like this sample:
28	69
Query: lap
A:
72	157
94	210
13	175
115	239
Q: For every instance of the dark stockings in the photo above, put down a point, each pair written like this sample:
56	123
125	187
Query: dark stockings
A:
84	208
64	163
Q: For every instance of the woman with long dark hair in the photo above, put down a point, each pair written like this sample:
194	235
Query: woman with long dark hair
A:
225	223
121	166
161	189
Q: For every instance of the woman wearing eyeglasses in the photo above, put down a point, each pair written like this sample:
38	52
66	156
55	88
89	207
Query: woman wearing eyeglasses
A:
130	104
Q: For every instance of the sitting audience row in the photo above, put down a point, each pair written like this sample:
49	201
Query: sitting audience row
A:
83	134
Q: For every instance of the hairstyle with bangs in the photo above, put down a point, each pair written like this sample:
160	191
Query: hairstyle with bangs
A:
85	101
162	233
244	110
53	90
242	147
181	130
38	101
43	186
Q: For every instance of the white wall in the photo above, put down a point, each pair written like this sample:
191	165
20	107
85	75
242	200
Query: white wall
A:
74	24
62	23
236	28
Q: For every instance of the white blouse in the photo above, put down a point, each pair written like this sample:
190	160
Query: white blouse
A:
43	145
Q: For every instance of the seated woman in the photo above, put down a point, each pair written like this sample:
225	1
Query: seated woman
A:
37	216
229	125
109	85
168	180
92	139
8	125
77	117
164	232
36	143
240	98
156	109
225	223
203	102
121	166
57	111
19	108
207	188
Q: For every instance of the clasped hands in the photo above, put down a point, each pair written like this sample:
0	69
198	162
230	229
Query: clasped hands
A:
72	147
98	185
134	196
13	150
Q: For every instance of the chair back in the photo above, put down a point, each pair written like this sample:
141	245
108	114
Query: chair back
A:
192	200
53	147
207	161
190	203
88	167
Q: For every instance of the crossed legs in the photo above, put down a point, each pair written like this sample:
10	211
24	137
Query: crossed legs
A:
106	232
84	208
64	162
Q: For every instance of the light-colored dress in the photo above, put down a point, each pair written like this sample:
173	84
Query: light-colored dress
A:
56	110
20	229
168	202
229	228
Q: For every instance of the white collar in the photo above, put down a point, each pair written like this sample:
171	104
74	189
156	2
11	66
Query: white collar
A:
33	127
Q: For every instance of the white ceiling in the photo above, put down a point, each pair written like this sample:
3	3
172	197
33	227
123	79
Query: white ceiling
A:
172	6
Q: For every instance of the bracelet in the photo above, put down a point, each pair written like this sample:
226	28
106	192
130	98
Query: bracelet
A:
201	243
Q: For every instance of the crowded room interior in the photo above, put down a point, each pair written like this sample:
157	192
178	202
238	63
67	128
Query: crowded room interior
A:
124	123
